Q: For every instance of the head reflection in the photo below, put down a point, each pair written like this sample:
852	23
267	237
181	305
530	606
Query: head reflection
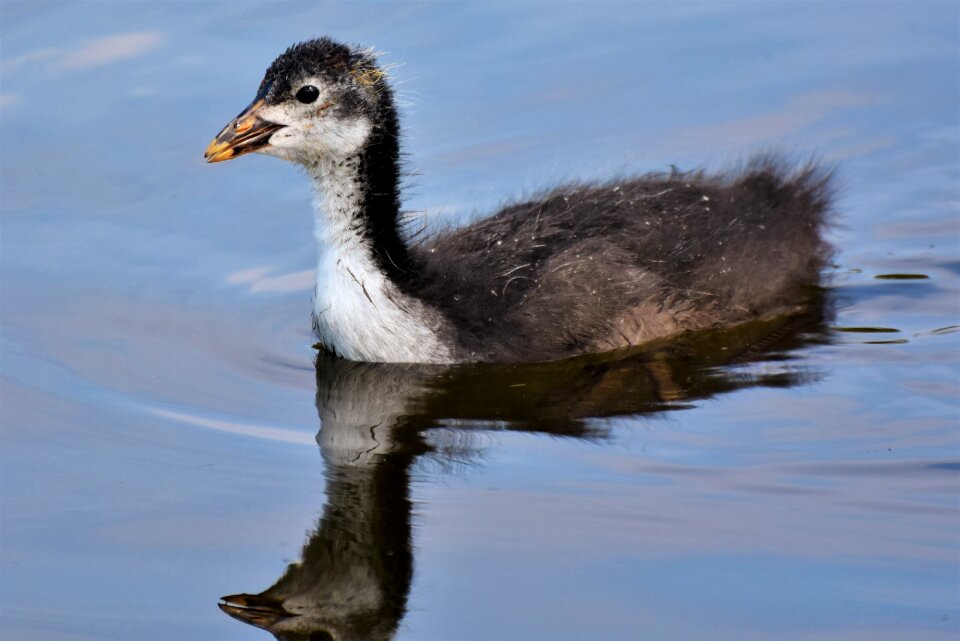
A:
356	569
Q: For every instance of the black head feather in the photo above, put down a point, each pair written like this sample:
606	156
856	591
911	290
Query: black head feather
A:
334	63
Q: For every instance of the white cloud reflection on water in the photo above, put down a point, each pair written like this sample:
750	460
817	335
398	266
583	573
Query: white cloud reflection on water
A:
242	429
259	281
111	49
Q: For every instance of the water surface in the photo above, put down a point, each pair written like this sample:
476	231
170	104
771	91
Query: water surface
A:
161	409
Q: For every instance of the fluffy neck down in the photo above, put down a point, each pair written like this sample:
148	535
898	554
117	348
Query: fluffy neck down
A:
360	312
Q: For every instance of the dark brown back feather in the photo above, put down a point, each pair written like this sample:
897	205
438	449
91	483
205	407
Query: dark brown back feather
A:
584	268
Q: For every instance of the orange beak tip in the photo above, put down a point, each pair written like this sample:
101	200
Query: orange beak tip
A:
218	151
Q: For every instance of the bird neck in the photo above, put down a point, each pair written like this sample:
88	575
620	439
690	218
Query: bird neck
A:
365	308
362	191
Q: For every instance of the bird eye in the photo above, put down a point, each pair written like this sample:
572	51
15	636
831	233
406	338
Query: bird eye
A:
307	94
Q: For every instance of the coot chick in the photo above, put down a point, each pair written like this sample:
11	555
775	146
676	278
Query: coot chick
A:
581	268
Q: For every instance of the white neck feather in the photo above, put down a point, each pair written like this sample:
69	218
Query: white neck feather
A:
359	313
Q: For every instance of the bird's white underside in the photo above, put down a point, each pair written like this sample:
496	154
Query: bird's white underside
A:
359	313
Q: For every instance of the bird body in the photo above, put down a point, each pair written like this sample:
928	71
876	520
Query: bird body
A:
578	269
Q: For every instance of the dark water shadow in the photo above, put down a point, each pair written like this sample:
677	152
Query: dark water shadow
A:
356	569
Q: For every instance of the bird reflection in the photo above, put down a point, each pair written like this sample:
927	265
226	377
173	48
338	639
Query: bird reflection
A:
377	420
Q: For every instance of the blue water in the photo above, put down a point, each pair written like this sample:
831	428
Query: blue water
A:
160	411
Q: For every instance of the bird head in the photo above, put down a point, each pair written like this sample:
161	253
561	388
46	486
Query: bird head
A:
318	100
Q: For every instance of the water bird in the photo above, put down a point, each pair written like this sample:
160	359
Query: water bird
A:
577	269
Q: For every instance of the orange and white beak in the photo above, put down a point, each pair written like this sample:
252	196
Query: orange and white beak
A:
246	133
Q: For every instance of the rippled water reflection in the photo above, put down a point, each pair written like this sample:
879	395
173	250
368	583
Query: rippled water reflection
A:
378	421
161	445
